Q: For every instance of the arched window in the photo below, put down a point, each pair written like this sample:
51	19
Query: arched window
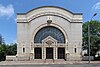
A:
49	31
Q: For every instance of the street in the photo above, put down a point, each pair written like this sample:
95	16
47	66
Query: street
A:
53	65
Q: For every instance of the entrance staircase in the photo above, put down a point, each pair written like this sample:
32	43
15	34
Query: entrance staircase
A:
49	61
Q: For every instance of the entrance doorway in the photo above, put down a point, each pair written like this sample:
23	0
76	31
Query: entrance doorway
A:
38	53
61	53
49	53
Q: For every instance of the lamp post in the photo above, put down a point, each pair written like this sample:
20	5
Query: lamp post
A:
89	36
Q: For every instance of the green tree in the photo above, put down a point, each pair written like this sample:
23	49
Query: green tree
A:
11	49
94	36
7	49
1	39
2	49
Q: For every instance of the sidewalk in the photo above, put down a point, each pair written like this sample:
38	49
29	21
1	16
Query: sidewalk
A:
32	62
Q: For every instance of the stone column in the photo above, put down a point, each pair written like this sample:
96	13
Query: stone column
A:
43	53
66	53
33	52
55	52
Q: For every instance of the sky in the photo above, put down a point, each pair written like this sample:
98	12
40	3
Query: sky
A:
9	8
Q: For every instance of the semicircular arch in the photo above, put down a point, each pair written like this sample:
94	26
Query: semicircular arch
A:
51	25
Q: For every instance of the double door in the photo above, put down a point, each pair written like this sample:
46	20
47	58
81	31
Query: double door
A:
61	53
38	53
49	53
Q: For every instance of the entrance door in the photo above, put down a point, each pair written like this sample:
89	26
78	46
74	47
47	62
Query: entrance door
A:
61	53
38	53
49	53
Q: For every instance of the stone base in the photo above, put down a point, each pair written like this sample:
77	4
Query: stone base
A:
11	58
74	57
23	57
29	57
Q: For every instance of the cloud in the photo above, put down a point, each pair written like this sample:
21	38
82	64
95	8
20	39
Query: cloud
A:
96	6
7	11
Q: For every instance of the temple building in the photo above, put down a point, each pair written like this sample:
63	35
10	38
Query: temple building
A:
49	32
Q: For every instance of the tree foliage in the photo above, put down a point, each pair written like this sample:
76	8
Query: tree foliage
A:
11	49
7	49
2	49
94	36
1	39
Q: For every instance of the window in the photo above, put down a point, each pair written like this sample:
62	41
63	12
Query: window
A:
23	50
49	31
75	50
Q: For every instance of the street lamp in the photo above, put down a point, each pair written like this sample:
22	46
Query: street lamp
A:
89	36
93	16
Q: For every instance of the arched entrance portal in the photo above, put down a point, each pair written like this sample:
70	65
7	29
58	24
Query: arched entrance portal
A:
50	37
49	31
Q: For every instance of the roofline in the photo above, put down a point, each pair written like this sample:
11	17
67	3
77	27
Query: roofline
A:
49	6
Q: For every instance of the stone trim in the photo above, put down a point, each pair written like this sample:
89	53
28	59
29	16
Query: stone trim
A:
52	11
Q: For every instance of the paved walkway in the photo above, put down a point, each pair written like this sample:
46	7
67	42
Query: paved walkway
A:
32	62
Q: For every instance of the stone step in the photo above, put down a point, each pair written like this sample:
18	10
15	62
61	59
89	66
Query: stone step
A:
49	61
60	60
38	61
